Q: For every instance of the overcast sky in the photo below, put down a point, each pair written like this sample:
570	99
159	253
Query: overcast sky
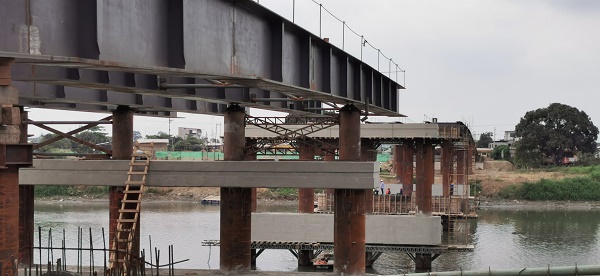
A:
485	63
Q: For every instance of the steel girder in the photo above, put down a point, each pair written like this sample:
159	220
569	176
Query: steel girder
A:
108	48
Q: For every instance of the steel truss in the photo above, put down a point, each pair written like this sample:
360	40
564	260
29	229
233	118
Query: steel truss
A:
295	137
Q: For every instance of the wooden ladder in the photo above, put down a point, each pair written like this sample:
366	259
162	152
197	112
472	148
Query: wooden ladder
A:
123	245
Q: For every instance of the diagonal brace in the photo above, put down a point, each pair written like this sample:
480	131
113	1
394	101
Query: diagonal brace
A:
72	132
77	140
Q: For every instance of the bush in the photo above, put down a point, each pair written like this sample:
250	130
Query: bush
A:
573	189
55	190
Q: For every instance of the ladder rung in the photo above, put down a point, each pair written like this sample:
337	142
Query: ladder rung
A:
126	220
124	230
138	164
137	173
128	211
131	201
132	192
122	240
135	182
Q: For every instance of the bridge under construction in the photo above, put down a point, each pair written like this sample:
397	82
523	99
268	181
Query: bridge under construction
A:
206	57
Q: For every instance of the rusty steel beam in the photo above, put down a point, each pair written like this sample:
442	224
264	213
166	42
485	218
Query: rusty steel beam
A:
236	203
349	205
424	174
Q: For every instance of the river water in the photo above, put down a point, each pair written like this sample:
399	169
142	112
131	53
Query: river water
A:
502	238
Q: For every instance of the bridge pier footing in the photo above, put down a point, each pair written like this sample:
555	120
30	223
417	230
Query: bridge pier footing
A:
305	257
423	262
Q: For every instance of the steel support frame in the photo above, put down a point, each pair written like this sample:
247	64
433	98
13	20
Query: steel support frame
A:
424	174
254	42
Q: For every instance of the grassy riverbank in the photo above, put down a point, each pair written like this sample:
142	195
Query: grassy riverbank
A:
580	184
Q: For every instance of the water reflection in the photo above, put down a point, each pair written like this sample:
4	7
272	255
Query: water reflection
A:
503	238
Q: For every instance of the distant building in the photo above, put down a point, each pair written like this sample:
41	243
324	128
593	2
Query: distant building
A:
509	139
159	144
184	132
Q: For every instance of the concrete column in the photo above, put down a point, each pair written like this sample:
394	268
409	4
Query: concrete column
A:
349	209
368	153
460	166
26	228
424	175
9	176
447	166
236	203
407	168
122	148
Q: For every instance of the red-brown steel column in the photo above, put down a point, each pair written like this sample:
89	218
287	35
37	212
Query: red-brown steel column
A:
397	162
460	167
9	177
447	166
349	209
306	202
368	153
407	168
236	203
26	203
122	148
306	196
252	157
424	175
328	157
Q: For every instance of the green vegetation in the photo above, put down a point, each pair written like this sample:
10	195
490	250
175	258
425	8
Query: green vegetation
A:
475	186
552	133
581	188
56	190
484	140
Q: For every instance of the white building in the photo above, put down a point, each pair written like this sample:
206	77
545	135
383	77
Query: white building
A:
184	132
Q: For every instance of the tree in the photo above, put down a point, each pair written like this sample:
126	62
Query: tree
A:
501	152
163	135
137	135
484	140
552	132
191	143
94	135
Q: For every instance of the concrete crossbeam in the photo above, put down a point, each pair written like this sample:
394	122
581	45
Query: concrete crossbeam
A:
260	174
405	230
